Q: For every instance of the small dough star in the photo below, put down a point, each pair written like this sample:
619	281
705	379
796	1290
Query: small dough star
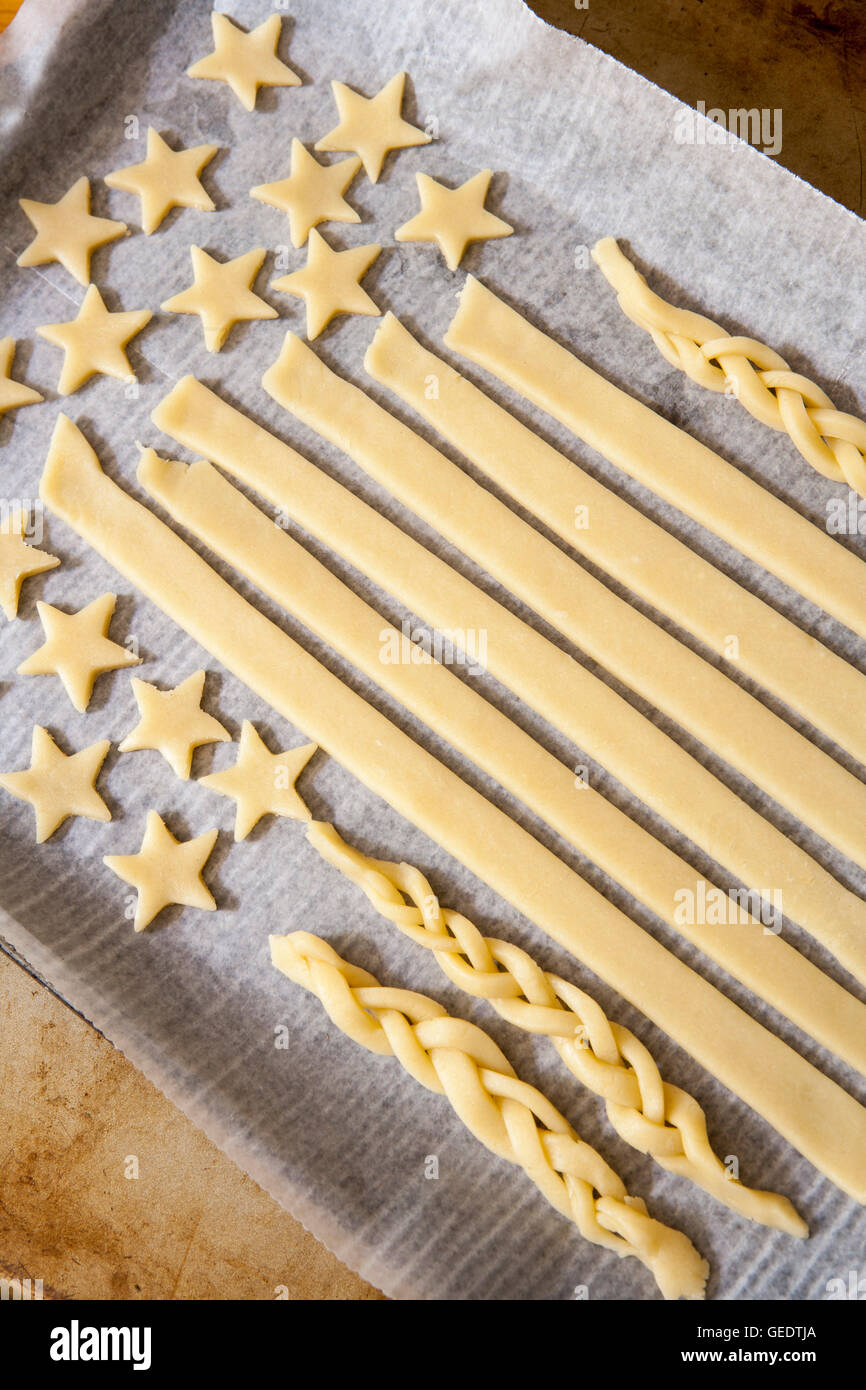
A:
312	193
94	342
78	649
166	179
371	126
66	231
221	294
165	871
246	61
59	785
261	782
173	722
13	393
18	561
453	217
329	283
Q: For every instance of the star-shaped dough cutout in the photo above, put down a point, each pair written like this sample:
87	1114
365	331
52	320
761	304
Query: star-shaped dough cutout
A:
59	785
312	193
329	283
221	294
18	561
165	871
13	394
94	342
173	722
261	782
77	648
371	126
67	232
246	61
453	217
166	179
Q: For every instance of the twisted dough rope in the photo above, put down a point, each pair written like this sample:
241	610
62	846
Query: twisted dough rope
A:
831	440
508	1116
647	1112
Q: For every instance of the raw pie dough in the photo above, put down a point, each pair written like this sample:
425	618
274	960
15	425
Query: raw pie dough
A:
173	722
166	179
94	341
329	283
246	61
59	785
312	193
221	294
18	560
262	783
77	648
453	217
13	394
67	232
165	872
811	1111
371	126
511	1118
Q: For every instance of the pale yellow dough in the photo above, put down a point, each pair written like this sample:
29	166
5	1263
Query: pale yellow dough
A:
13	394
372	126
221	294
173	722
165	872
18	560
77	648
166	179
67	232
453	217
657	453
246	61
329	283
59	785
262	783
512	1119
811	1111
94	342
312	193
218	514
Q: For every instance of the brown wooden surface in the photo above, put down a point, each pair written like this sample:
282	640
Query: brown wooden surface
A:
72	1109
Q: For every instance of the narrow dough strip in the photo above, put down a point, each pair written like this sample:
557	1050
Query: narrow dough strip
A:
659	454
637	552
200	499
511	1118
576	702
702	699
820	1119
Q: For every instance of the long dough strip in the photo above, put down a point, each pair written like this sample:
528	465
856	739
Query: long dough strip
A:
511	1118
724	716
831	440
820	1119
631	547
220	516
659	454
576	702
646	1111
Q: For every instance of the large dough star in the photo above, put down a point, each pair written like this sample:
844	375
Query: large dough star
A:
329	283
67	232
59	785
165	871
166	179
77	648
246	61
261	782
173	722
453	217
371	126
221	294
312	193
13	394
94	342
18	560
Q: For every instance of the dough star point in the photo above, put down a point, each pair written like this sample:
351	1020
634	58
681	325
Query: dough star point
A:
173	722
245	60
59	785
18	561
453	217
165	179
13	394
94	342
67	232
165	871
221	294
372	126
261	782
312	193
77	648
329	283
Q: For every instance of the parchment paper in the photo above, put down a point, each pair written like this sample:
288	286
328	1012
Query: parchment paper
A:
582	148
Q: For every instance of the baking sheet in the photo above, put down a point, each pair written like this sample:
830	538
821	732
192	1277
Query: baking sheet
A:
582	148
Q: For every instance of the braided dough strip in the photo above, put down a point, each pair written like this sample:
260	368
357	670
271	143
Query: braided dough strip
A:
511	1118
831	440
826	690
647	1112
575	701
820	1119
824	795
243	536
659	454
